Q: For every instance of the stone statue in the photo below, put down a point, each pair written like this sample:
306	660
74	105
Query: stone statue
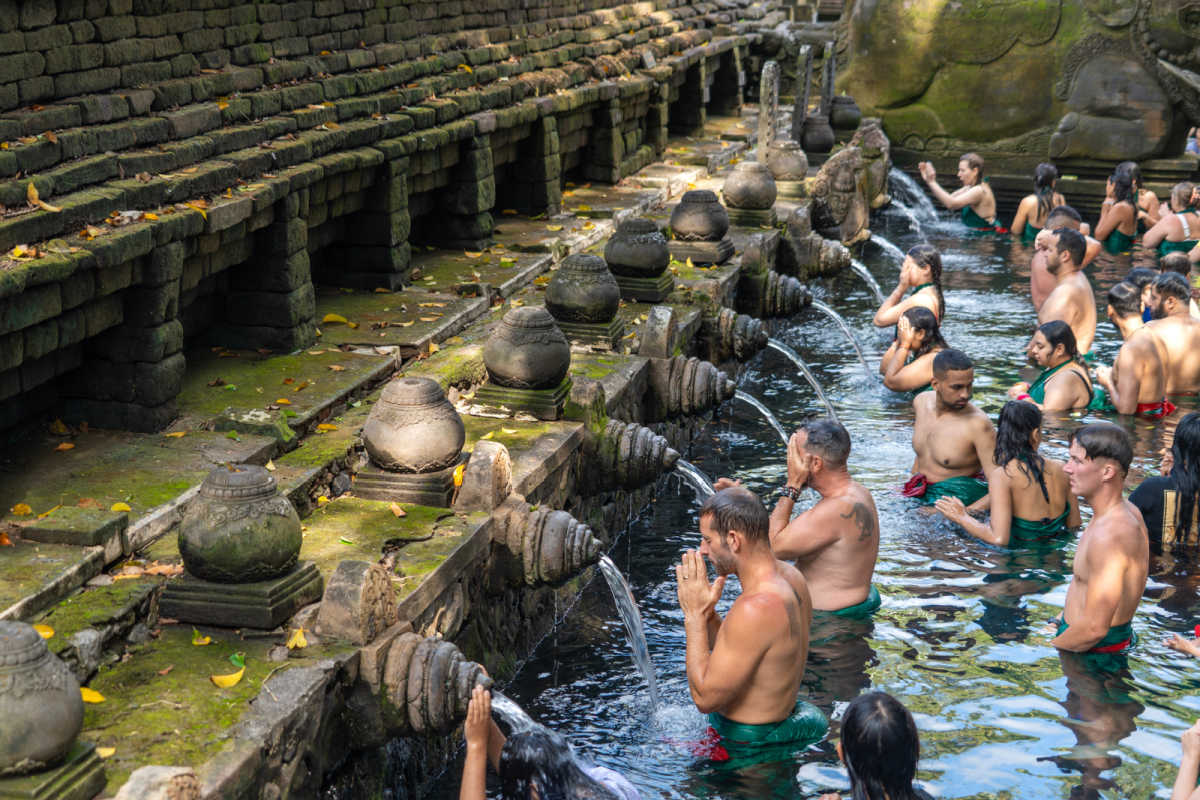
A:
840	207
1103	79
877	159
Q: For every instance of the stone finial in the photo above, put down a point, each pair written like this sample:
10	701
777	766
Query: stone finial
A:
699	217
637	249
629	456
527	350
428	684
40	705
487	479
413	428
550	546
239	529
804	70
359	603
582	290
750	185
683	385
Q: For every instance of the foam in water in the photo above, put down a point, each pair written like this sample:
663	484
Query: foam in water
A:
911	195
836	317
860	269
695	478
512	713
627	608
751	400
795	358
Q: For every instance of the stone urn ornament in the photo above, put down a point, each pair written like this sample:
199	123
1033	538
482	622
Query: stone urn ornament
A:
583	297
844	113
817	136
414	438
749	193
527	358
789	165
638	255
700	228
240	542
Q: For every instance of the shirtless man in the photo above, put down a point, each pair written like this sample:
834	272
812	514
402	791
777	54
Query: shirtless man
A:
745	671
954	441
1113	557
1041	280
835	542
1178	331
1136	383
1072	300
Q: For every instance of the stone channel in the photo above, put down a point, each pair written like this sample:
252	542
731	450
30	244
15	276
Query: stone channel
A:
371	337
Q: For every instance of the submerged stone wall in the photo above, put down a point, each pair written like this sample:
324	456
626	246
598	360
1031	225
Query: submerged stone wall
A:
199	163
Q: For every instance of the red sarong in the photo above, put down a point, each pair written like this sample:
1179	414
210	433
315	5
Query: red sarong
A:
915	486
1160	409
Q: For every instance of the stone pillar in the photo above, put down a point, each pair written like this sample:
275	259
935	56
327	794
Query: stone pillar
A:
768	108
132	373
607	144
538	176
469	199
271	303
804	68
376	252
658	117
828	74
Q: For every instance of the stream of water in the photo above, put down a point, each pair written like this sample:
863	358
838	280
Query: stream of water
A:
628	609
753	401
806	372
959	638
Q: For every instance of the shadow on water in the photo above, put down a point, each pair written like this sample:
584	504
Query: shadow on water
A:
961	638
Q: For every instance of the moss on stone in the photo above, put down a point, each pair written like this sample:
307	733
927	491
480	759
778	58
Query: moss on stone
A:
353	529
95	607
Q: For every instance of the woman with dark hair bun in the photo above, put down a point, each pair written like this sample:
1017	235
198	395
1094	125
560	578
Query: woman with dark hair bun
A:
1064	383
1149	208
880	748
1035	208
1170	503
907	366
1117	227
1030	496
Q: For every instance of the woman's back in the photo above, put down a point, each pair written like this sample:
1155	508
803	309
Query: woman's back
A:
1037	214
1028	502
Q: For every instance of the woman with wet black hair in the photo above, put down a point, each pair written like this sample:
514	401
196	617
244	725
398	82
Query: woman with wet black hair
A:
921	271
880	748
907	366
1035	208
1170	503
1118	223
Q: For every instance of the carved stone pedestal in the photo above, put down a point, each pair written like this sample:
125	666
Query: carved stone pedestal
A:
645	290
791	190
434	489
79	777
504	401
596	335
264	604
703	253
751	217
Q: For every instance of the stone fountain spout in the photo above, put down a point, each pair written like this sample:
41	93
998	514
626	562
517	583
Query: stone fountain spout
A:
549	546
687	386
427	683
628	456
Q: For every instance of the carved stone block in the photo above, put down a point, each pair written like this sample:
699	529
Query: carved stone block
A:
266	604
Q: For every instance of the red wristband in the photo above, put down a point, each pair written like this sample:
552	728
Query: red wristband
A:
1025	397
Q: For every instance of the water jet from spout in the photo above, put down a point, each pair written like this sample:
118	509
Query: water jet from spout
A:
751	400
836	317
627	608
804	369
860	269
695	478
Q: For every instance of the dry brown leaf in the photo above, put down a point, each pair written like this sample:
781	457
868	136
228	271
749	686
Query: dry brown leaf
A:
337	368
64	446
4	540
397	510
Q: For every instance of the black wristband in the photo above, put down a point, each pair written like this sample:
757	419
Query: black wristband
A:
789	492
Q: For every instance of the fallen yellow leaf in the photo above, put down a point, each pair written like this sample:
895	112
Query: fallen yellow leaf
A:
429	319
198	640
283	401
433	347
465	68
337	368
120	507
554	227
149	216
4	540
270	466
432	305
45	631
225	681
297	640
44	206
689	263
176	434
59	427
488	435
90	695
397	510
458	474
105	752
45	514
333	318
31	194
196	207
64	446
469	254
508	430
325	426
21	509
322	500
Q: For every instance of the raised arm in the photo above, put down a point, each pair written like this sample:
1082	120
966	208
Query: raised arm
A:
966	196
901	377
809	533
1122	393
477	731
893	305
999	531
1160	231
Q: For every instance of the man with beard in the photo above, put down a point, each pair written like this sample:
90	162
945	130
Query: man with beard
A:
1041	280
835	542
1071	300
1178	332
954	441
745	670
1136	383
1113	558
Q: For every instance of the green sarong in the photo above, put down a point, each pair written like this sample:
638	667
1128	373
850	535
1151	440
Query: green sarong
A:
752	744
859	610
1089	357
1118	639
973	220
1185	246
1037	389
1024	531
1029	234
967	488
1100	401
926	388
1118	242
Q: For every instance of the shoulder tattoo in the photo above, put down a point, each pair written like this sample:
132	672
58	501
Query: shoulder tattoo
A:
864	519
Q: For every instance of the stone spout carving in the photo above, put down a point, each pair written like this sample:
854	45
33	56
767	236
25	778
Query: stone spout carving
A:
239	529
739	334
876	153
413	428
40	706
527	350
914	69
839	198
785	295
550	546
835	257
684	385
699	217
628	456
751	186
428	684
583	290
